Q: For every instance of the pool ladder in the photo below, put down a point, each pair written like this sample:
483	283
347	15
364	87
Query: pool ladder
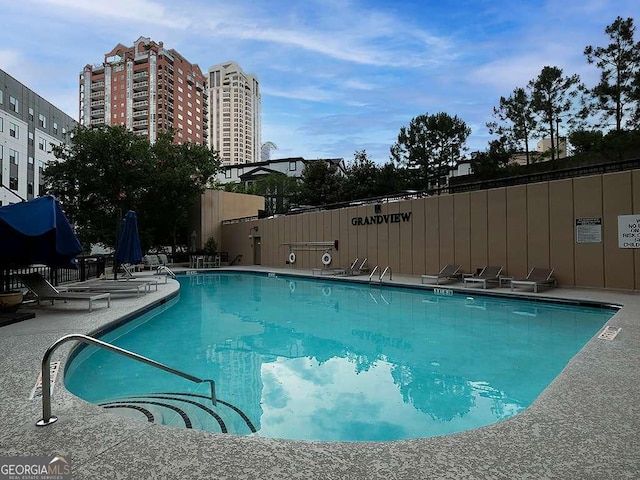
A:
48	419
382	275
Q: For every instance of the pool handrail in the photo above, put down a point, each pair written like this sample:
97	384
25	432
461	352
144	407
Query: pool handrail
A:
48	419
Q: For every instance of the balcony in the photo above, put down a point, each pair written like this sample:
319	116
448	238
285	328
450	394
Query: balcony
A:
143	94
97	113
99	94
97	121
97	85
140	123
140	113
139	75
97	103
141	133
139	105
140	86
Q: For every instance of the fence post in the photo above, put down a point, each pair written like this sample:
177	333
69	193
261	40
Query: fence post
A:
83	273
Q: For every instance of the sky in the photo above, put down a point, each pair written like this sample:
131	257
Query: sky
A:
336	76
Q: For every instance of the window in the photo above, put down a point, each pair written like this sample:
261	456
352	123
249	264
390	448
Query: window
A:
30	163
1	97
31	114
55	127
30	188
292	166
227	173
30	139
13	183
42	144
13	104
1	123
14	131
0	159
42	121
13	156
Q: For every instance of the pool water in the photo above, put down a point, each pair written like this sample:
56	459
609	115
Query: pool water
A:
334	361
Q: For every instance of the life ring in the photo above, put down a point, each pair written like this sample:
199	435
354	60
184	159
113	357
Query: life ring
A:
292	287
326	291
292	257
326	258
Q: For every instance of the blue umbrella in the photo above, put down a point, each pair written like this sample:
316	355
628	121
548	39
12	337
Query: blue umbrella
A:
34	232
129	249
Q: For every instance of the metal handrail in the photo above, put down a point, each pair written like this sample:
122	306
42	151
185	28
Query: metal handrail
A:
384	273
373	272
167	270
48	419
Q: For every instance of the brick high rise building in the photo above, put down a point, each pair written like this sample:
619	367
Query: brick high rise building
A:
148	89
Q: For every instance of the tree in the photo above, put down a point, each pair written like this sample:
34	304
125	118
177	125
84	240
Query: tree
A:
180	175
320	184
486	165
277	190
552	97
365	179
619	64
109	170
431	146
516	121
98	177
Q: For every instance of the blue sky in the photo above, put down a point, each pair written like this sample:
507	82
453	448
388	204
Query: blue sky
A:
336	76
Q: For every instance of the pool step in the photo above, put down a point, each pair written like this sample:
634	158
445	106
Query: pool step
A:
185	410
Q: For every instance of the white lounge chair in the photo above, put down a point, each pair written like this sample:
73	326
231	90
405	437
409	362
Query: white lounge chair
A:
43	290
489	274
536	278
447	273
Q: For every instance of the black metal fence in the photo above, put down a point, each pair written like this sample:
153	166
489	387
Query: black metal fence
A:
88	267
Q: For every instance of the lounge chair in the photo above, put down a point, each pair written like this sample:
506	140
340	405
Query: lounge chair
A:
150	262
448	272
43	290
489	274
111	286
128	276
536	278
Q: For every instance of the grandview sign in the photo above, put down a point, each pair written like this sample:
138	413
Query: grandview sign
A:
379	219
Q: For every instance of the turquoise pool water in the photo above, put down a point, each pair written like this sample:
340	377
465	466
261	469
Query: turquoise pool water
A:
322	360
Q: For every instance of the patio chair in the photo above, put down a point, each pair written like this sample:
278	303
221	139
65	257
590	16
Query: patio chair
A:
489	274
43	290
448	272
536	278
150	261
128	276
110	286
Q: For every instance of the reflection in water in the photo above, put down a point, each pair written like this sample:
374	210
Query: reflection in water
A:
339	363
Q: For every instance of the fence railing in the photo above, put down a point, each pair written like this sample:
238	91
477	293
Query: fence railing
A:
88	267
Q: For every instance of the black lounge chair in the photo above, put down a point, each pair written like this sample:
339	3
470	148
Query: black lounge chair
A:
536	278
448	272
489	274
43	290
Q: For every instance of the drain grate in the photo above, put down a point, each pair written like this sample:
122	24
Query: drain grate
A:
53	371
609	333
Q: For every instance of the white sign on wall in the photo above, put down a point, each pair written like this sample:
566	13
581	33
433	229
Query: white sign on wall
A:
628	231
589	230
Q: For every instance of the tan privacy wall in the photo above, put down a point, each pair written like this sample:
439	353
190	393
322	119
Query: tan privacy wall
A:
519	227
217	206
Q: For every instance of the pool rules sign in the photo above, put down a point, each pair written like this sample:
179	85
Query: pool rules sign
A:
628	231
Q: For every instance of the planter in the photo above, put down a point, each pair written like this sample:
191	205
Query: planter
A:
10	301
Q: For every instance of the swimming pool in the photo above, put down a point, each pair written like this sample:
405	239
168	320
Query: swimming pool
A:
335	361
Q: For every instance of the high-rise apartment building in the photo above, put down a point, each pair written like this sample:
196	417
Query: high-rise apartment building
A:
235	114
29	127
148	89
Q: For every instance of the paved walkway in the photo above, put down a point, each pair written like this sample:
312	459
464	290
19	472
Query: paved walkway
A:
584	425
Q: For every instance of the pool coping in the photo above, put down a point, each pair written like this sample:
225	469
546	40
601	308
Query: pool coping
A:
584	425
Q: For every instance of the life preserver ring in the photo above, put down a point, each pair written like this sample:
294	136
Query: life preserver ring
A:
292	257
326	291
292	287
326	258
